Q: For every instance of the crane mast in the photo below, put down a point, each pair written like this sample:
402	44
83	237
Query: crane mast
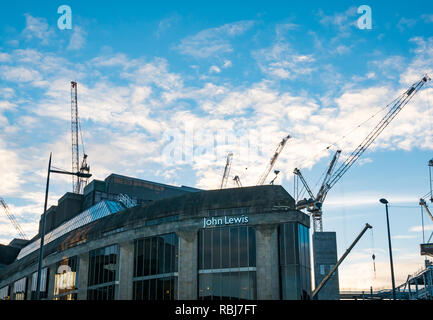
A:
74	135
273	160
78	183
386	120
13	220
226	170
314	205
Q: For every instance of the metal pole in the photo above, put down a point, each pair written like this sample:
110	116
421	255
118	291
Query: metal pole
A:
329	275
390	254
41	249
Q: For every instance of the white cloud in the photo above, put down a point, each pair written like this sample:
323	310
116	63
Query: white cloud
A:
37	28
214	69
282	61
78	39
19	74
213	42
344	21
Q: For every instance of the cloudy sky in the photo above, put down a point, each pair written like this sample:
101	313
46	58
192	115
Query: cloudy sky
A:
166	90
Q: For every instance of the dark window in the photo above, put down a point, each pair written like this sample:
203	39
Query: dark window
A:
102	273
227	261
159	258
294	261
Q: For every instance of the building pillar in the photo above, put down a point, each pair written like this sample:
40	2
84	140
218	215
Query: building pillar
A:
325	254
83	273
267	264
187	272
51	279
126	271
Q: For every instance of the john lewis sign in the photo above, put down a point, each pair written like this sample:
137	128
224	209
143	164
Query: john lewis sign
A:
226	220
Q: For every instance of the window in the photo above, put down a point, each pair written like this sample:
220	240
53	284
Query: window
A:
102	279
322	269
19	292
66	279
227	263
5	293
294	261
44	284
155	267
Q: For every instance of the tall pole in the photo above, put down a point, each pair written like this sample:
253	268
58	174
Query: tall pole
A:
42	236
390	253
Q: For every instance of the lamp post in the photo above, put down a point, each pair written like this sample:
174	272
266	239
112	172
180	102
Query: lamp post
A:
44	219
385	202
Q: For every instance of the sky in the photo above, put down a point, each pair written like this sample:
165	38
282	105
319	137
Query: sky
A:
166	89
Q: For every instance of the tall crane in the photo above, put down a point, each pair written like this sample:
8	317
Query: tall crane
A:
274	158
78	183
430	166
227	170
13	219
314	204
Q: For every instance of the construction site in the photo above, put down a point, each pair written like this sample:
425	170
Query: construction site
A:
125	238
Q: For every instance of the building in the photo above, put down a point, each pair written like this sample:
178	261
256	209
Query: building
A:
126	238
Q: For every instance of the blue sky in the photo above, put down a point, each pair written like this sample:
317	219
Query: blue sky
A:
158	80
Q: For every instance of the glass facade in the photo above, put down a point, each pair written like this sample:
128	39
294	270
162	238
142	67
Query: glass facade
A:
43	292
227	263
295	270
155	267
94	213
103	272
66	279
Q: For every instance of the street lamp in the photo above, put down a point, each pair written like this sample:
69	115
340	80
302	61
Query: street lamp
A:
44	219
385	202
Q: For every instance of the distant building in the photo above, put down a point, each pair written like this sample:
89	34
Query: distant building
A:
126	238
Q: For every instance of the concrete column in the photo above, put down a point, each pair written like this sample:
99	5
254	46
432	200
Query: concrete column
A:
83	273
267	265
28	295
187	273
126	271
325	253
51	276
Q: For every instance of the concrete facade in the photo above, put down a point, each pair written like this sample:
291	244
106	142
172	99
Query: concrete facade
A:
325	257
269	206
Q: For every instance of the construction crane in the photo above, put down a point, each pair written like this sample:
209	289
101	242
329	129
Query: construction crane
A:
226	170
426	248
329	275
314	204
13	219
273	160
78	183
424	204
237	180
430	166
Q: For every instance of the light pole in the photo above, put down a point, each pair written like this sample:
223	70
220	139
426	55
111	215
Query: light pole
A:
385	202
44	219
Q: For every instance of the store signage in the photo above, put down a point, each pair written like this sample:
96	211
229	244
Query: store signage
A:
225	220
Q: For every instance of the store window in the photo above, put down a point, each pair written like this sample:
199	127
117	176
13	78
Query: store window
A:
66	279
103	273
19	291
5	293
227	263
155	267
43	291
294	259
